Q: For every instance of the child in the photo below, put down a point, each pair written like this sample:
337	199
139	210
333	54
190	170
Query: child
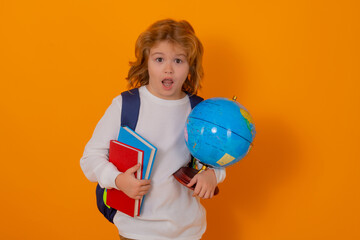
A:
168	63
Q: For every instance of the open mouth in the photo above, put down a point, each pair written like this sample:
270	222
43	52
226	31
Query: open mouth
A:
167	82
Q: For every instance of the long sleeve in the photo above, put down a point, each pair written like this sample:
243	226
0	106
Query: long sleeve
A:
220	174
95	160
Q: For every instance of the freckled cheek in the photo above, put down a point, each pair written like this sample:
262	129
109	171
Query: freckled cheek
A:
185	73
153	70
184	70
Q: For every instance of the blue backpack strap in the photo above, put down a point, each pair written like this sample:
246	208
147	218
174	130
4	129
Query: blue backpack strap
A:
130	108
195	100
129	117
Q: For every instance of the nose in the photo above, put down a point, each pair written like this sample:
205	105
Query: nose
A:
169	68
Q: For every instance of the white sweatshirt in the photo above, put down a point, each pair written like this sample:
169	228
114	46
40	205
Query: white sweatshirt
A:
169	211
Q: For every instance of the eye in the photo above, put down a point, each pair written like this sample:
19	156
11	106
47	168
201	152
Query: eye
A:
159	59
178	60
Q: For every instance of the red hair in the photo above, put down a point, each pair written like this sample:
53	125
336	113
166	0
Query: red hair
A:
177	32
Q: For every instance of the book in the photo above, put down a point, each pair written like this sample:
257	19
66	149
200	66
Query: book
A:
130	137
124	157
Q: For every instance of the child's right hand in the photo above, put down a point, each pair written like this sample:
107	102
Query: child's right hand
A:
130	185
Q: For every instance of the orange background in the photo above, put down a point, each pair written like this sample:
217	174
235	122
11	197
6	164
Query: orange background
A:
293	64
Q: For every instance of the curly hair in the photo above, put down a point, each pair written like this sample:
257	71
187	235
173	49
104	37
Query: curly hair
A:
179	32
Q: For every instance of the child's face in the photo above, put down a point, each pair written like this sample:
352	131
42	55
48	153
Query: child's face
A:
168	69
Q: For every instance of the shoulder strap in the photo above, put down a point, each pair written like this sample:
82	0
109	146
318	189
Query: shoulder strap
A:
129	116
195	100
130	108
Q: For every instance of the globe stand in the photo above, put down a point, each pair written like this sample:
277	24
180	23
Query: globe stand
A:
185	174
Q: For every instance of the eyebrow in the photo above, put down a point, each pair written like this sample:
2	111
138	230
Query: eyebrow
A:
180	54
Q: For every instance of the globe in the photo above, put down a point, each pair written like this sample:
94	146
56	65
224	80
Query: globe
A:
219	132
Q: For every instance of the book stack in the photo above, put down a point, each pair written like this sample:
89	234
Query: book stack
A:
128	150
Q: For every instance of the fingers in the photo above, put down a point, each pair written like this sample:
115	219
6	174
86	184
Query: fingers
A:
203	191
210	194
142	187
205	194
133	169
193	181
205	184
144	182
200	191
140	194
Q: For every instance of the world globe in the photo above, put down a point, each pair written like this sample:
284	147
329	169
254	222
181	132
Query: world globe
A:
219	132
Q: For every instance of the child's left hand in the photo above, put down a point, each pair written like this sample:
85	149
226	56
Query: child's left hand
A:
205	184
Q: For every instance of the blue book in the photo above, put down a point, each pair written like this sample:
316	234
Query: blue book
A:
131	138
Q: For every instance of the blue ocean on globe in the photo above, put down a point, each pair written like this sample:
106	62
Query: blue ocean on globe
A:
219	132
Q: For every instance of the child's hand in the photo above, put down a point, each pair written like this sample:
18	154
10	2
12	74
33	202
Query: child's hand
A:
130	185
205	183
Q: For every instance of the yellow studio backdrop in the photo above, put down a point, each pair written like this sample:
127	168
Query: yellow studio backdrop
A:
293	64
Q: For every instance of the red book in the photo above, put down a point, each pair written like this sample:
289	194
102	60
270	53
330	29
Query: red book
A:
124	157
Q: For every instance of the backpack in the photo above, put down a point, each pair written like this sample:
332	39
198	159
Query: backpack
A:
129	117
